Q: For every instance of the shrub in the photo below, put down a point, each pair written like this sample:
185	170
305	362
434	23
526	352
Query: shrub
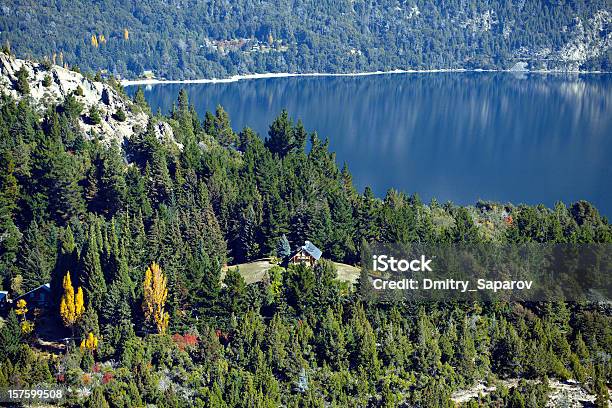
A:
94	116
23	86
120	115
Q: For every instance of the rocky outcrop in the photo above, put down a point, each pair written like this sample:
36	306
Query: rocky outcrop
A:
591	39
50	84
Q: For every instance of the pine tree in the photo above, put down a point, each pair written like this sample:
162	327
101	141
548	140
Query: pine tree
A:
10	336
248	246
234	293
331	341
112	187
158	176
35	258
299	287
364	354
427	351
22	85
203	281
67	260
9	192
140	100
281	139
97	399
300	136
465	230
92	278
222	128
283	248
466	353
94	115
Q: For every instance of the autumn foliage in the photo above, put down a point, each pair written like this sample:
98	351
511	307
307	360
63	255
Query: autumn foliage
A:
71	307
154	298
90	342
186	341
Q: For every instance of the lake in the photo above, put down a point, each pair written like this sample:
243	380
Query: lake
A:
520	138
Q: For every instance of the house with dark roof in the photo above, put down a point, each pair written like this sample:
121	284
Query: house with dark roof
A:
307	254
38	297
4	300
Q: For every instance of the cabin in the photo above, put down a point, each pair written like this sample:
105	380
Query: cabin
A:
307	254
4	300
38	297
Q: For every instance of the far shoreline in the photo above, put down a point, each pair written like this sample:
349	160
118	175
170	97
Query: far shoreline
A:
270	75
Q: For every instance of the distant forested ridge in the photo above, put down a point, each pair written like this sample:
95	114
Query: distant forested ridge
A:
132	234
194	39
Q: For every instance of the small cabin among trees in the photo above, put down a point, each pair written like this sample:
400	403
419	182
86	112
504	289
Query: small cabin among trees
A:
4	300
307	254
38	297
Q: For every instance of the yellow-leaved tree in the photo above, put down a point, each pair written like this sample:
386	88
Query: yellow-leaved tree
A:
72	306
126	34
90	343
94	40
155	293
22	310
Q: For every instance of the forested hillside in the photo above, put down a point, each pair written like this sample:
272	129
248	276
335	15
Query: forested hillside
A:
194	39
132	235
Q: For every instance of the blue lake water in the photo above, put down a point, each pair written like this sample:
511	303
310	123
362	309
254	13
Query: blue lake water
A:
527	138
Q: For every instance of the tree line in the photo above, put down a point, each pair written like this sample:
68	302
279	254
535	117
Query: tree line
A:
133	239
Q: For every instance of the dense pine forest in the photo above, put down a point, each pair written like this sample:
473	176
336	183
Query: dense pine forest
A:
133	235
186	39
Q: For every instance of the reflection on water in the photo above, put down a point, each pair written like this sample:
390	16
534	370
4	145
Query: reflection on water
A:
458	136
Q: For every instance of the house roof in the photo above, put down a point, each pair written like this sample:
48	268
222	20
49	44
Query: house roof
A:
312	250
3	295
46	287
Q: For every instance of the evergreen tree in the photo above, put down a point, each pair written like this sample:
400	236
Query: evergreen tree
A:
281	137
234	293
283	248
67	260
22	85
35	259
94	115
91	277
10	337
9	192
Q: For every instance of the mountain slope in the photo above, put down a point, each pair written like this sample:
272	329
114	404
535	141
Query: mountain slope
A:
50	85
190	39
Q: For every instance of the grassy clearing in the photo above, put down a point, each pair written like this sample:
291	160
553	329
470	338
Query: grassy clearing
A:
256	271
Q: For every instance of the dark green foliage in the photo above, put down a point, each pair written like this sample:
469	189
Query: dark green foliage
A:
120	115
47	81
22	86
281	138
10	337
94	116
298	338
283	248
176	42
234	293
91	277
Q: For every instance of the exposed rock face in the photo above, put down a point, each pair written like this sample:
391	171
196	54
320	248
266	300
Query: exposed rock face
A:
592	38
64	82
